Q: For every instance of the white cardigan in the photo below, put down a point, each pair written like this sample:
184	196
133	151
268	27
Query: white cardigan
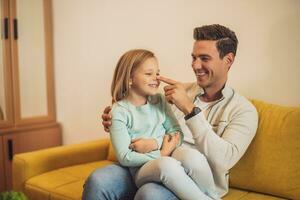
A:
224	135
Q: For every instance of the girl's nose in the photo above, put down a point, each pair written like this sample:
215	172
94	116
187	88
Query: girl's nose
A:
156	79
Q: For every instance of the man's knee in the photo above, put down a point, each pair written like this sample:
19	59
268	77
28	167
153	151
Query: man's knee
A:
106	175
111	182
94	180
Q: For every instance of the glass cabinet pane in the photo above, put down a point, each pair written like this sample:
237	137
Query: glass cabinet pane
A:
2	86
2	82
32	58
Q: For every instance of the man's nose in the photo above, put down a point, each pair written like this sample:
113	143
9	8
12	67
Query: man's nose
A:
197	64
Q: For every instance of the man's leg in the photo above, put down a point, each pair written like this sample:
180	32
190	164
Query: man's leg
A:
113	182
151	191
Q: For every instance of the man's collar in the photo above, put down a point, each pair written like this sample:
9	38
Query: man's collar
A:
196	91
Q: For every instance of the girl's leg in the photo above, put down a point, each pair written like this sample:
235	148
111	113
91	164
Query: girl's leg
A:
197	167
151	191
169	171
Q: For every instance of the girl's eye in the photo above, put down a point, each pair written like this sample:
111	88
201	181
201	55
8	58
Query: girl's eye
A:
149	74
157	74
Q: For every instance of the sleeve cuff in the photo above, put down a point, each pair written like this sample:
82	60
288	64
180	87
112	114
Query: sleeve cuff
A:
181	139
159	142
198	125
155	154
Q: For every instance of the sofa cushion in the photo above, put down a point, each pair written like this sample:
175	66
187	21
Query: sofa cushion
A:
272	163
236	194
64	183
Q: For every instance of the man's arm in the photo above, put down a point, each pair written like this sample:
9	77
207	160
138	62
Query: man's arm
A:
176	94
225	151
106	118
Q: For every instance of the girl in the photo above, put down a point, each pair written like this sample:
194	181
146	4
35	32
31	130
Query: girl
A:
139	116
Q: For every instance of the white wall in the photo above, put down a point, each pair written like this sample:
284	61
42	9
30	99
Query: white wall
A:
90	36
31	58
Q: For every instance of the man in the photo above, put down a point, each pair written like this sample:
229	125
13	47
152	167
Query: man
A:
216	121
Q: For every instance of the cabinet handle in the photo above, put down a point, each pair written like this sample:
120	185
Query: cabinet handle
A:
15	29
5	28
10	147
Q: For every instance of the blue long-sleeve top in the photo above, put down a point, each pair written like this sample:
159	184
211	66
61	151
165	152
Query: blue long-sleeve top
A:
152	120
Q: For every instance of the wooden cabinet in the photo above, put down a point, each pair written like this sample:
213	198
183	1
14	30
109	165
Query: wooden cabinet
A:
24	140
27	107
2	174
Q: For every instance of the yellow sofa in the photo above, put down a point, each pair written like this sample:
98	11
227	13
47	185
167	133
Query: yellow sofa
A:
270	169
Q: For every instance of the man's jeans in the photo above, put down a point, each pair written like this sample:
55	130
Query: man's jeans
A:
115	182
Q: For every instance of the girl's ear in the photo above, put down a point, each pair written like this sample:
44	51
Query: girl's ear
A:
130	82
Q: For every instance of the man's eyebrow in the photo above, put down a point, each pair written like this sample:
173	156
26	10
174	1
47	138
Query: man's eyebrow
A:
201	55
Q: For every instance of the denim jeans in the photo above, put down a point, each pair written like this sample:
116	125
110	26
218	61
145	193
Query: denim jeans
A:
115	182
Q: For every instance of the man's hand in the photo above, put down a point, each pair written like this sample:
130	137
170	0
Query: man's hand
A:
169	144
143	145
175	93
106	118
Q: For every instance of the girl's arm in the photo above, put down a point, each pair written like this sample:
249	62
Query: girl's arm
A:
171	124
143	145
172	128
121	140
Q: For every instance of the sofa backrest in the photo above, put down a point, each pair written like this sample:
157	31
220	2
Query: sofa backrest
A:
31	164
272	162
111	156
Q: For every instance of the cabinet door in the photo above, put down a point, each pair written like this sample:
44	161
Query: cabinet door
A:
32	61
2	174
28	140
6	112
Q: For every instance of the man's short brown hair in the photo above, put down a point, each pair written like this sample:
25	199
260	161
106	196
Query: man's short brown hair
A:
226	39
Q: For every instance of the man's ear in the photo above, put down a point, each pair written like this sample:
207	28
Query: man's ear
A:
229	59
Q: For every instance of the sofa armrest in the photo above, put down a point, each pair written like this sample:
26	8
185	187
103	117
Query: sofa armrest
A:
27	165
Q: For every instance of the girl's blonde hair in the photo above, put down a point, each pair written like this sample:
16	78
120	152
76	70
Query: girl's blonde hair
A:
126	65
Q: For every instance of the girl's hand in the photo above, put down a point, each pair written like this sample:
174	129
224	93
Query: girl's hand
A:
169	144
143	145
